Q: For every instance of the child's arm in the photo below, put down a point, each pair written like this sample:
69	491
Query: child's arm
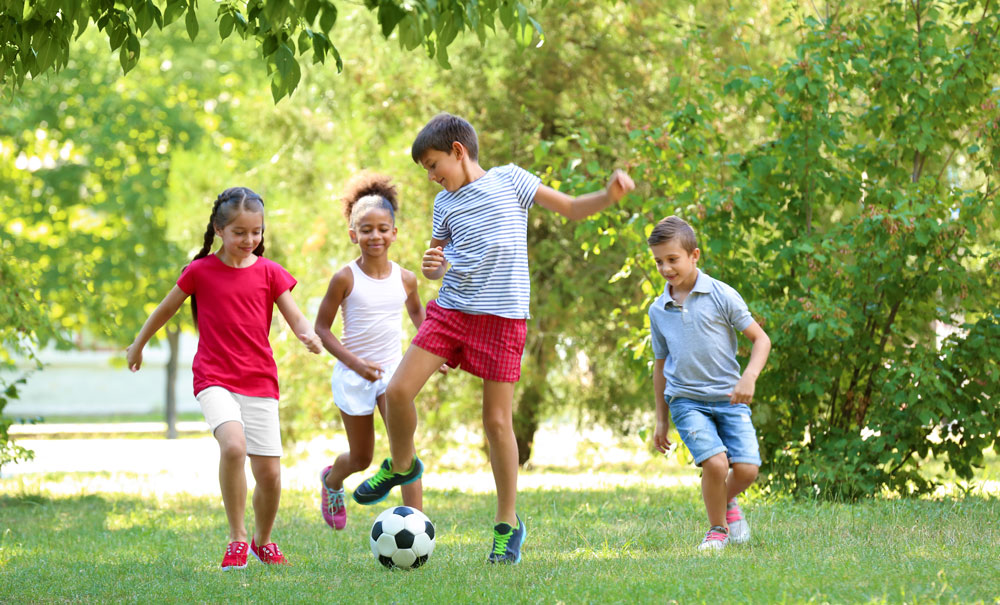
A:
160	316
743	392
660	440
434	265
413	306
298	322
339	288
585	205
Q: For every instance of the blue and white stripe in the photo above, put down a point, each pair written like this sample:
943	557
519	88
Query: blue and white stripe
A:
486	226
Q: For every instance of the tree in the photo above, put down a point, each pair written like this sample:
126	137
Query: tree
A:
858	223
36	35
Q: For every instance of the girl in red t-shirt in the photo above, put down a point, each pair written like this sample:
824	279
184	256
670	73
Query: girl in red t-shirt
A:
235	377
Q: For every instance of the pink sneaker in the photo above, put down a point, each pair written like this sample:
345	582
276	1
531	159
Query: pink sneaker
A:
716	538
332	503
739	529
235	557
269	554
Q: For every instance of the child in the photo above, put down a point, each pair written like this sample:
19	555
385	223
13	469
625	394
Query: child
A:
370	290
235	377
478	321
697	377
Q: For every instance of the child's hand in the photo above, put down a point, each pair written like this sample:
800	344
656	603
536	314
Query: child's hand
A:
133	356
444	369
660	440
619	184
433	259
368	370
312	341
743	391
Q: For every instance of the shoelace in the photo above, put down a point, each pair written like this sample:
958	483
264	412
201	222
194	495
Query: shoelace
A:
500	542
734	514
380	475
716	534
334	499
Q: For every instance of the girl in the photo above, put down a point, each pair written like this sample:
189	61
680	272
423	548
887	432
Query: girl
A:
370	290
235	377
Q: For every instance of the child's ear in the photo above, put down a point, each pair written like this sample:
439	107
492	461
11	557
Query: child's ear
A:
354	236
459	150
696	254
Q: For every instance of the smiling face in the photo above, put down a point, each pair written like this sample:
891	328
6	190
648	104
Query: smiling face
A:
446	168
677	265
241	237
374	231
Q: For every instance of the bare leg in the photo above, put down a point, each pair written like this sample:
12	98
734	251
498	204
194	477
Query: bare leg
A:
232	477
413	493
742	476
713	488
361	443
498	423
412	373
266	495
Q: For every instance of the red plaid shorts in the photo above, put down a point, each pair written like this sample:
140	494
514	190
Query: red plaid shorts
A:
486	346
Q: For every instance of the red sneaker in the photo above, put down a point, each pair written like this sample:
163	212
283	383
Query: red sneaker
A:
236	556
269	554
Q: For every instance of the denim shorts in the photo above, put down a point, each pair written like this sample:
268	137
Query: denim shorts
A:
710	427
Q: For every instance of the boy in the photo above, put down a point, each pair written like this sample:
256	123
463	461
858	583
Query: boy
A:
478	321
697	378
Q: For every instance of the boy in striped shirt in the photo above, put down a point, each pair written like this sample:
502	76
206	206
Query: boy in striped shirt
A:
478	322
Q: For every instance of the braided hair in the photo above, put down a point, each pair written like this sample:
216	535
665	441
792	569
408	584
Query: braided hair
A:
369	191
227	206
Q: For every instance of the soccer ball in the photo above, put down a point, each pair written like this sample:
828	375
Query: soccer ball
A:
402	537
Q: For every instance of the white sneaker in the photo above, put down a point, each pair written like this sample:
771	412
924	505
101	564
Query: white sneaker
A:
716	538
739	528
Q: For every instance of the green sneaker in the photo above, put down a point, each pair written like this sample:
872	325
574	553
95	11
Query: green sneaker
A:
507	542
377	487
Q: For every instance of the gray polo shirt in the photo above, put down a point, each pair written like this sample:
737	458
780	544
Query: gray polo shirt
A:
698	340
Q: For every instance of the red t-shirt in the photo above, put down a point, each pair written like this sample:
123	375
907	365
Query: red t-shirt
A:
234	319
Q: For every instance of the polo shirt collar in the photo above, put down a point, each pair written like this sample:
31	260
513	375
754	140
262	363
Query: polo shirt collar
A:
702	285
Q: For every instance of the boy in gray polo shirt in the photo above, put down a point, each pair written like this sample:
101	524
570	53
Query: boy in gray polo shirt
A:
697	377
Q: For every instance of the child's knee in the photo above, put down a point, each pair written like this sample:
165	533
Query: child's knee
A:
359	461
747	473
233	450
496	425
717	465
267	475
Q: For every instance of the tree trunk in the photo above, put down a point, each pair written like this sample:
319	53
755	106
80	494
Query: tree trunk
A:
526	419
173	339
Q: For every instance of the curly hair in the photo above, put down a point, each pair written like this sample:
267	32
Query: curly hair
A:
366	191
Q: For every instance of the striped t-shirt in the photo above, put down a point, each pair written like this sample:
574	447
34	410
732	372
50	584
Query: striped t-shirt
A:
486	226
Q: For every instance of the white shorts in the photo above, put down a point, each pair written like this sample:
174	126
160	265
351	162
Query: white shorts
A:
354	395
258	415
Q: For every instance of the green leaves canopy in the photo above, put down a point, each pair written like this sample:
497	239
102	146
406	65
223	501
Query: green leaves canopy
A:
36	35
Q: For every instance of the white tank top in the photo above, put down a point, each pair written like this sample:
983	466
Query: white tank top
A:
373	328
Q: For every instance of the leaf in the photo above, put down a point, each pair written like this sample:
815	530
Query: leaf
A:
389	14
191	22
226	24
329	18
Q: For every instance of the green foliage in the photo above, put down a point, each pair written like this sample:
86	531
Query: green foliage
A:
36	35
858	225
23	316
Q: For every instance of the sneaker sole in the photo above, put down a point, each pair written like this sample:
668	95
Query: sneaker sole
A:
244	566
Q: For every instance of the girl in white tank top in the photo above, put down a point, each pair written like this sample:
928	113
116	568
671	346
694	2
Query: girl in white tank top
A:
371	291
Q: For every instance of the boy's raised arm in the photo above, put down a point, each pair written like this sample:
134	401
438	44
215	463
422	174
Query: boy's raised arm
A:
576	208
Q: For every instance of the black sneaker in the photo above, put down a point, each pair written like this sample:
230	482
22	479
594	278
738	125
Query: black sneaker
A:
507	542
377	487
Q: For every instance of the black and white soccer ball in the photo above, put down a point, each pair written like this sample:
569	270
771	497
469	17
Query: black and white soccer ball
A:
402	537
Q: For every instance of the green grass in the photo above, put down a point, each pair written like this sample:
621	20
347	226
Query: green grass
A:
629	545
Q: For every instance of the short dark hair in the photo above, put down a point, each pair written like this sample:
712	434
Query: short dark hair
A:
674	227
443	130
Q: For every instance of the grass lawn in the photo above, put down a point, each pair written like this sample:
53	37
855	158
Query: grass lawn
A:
627	545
